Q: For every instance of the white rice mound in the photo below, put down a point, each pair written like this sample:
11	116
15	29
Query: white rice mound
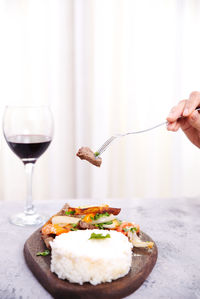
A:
76	258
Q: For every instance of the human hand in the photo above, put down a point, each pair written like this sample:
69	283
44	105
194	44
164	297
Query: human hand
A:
190	123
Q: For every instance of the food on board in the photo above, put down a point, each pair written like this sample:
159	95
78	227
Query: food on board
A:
90	244
88	218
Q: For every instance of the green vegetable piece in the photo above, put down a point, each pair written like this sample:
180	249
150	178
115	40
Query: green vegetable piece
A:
44	253
100	225
133	229
96	154
97	216
70	213
99	236
74	225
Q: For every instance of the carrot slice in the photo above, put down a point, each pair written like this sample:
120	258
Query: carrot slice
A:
55	229
60	230
88	218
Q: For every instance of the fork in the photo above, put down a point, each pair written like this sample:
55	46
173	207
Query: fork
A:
112	138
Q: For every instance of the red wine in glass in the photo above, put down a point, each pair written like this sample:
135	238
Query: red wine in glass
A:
28	147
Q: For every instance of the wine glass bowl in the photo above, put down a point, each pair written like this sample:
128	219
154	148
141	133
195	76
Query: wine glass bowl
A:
28	131
28	147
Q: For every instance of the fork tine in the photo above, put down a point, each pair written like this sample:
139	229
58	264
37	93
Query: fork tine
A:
105	143
104	146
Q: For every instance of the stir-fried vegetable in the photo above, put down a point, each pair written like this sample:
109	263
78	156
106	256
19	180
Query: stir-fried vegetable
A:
104	218
114	224
95	210
56	229
64	219
125	227
101	217
70	213
136	241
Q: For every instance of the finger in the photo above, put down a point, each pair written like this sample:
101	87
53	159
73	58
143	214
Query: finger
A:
170	126
176	111
192	103
177	127
173	126
194	120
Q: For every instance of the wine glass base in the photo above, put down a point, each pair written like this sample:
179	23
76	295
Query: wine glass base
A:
23	219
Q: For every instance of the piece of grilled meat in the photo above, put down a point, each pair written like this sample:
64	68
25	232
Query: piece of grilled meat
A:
85	153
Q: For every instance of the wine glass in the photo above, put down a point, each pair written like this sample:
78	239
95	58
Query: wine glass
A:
28	131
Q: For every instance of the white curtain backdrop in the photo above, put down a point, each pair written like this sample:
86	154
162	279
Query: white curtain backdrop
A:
104	66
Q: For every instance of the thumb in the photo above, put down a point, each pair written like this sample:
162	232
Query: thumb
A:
194	120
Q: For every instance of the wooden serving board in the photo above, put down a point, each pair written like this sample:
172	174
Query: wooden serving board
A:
143	262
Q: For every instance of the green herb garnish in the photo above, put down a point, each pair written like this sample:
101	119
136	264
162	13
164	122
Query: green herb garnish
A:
99	236
96	154
97	216
44	253
74	225
100	225
133	229
70	212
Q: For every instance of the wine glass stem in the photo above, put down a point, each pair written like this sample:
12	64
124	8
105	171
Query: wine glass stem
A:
29	207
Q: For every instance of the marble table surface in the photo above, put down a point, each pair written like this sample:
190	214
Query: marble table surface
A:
174	224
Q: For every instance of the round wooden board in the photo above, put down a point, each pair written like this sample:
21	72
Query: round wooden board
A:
143	262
